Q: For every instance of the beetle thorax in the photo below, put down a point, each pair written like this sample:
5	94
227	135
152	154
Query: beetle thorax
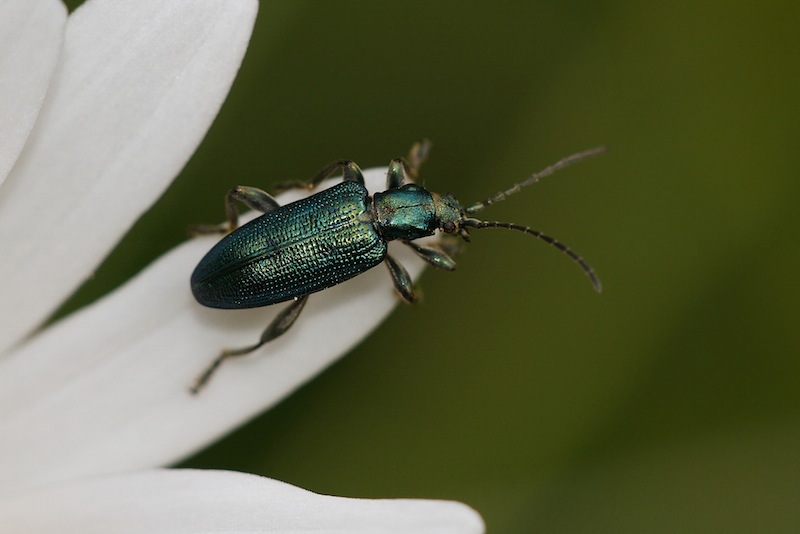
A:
407	213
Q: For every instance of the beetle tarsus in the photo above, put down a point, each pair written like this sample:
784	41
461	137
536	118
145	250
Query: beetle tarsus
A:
276	328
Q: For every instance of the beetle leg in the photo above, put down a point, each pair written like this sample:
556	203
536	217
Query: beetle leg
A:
416	157
402	281
396	176
276	328
433	255
351	173
252	197
399	168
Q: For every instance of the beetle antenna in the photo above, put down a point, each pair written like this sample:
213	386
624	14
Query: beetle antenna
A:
587	269
535	177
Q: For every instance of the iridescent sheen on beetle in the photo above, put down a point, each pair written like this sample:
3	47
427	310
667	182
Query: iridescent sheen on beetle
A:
295	250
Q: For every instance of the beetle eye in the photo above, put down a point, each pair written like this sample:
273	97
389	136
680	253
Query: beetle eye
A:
449	227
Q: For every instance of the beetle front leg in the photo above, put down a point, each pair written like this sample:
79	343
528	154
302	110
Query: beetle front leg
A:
433	255
399	168
402	280
252	197
350	173
276	328
396	176
416	157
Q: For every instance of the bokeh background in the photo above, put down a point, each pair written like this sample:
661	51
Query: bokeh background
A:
670	402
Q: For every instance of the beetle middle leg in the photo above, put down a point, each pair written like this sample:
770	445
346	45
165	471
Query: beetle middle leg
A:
276	328
252	197
350	173
402	280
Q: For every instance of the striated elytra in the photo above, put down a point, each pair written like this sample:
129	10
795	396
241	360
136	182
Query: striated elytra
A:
318	242
297	249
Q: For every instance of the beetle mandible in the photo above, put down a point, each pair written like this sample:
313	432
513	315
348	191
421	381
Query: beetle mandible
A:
327	238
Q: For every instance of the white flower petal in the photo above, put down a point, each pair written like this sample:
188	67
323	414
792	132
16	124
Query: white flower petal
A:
221	501
31	34
138	84
106	389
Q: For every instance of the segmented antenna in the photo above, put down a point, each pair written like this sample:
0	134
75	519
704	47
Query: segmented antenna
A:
587	269
535	177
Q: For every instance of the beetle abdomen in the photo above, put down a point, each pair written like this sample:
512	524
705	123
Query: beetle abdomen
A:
300	248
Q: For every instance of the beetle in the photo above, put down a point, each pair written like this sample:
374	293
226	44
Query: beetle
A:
327	238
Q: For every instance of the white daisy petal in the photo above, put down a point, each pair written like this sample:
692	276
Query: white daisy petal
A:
107	389
31	34
138	84
222	501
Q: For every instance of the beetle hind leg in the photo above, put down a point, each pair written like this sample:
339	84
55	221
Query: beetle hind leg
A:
252	197
276	328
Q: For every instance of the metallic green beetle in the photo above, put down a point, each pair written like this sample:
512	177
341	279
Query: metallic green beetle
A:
294	250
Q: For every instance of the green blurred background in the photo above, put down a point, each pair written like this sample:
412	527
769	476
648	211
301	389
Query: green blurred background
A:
668	403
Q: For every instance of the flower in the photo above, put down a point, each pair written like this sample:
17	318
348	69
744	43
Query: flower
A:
100	110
